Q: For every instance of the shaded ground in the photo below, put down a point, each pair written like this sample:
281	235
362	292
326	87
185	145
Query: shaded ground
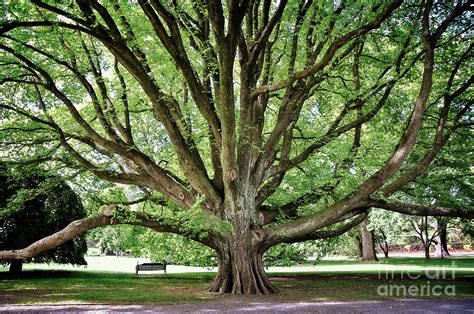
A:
328	281
116	288
385	306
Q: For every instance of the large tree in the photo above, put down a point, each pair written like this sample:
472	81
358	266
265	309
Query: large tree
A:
252	122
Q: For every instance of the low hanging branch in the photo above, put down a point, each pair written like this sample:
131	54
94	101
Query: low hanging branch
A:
105	218
75	228
327	233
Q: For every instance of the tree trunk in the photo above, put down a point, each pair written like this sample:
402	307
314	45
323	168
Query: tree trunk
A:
442	243
15	267
384	247
240	255
427	251
368	243
359	246
241	270
383	243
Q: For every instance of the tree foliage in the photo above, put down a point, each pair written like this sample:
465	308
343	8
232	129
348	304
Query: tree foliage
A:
252	123
34	205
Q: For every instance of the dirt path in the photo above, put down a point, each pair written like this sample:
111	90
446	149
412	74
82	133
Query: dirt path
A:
386	306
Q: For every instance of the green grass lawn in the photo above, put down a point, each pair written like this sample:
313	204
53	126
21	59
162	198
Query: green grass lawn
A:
94	287
331	280
461	266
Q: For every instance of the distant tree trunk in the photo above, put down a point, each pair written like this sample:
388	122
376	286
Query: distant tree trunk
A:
358	246
444	241
422	232
368	242
383	243
427	238
15	267
441	241
385	252
427	251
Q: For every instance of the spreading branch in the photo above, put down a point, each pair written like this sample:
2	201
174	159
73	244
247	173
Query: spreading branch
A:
420	210
77	227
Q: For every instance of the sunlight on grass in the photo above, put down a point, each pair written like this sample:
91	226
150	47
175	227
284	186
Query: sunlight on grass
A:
396	265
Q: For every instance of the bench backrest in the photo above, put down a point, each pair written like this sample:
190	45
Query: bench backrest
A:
151	266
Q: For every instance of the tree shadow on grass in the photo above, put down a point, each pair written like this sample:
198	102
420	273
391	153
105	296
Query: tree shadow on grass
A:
57	274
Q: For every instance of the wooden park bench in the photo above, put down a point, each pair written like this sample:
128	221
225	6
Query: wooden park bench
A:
150	267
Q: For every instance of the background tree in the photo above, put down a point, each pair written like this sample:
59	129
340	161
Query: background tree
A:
383	242
108	240
32	206
367	241
441	240
425	232
239	124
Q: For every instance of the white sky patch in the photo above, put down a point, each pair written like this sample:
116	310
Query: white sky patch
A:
64	19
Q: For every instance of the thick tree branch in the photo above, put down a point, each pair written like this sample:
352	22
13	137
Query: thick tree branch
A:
420	210
7	26
360	99
175	47
440	137
331	51
137	66
259	45
80	226
408	139
339	230
306	225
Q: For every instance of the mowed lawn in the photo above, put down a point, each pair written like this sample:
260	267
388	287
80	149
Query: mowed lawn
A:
330	280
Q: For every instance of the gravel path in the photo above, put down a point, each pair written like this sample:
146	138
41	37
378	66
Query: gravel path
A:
388	306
